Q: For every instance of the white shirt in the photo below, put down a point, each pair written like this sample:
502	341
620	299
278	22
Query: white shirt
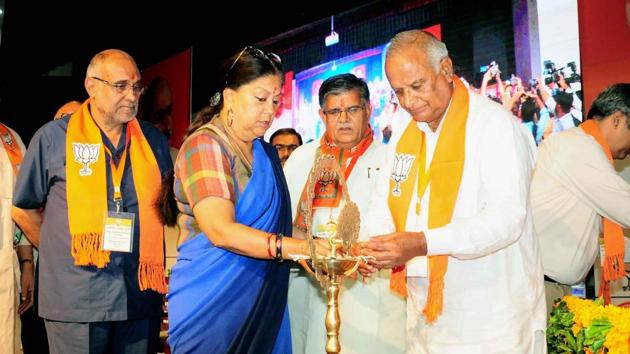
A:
372	318
493	288
574	184
565	122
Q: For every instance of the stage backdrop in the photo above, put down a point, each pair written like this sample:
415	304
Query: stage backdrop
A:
301	101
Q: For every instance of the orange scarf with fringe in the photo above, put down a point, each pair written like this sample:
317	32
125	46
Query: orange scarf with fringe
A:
86	192
327	189
444	175
12	147
613	264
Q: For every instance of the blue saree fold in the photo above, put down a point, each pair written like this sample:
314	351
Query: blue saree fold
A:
223	302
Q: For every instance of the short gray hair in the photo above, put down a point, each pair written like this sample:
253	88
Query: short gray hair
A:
434	49
341	83
615	98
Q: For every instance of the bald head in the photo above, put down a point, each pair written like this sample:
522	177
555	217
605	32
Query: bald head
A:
113	84
425	42
105	57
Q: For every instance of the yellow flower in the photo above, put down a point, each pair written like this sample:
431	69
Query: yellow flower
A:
618	338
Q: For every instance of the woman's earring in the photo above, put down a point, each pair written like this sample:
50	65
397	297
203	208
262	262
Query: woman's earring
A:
230	117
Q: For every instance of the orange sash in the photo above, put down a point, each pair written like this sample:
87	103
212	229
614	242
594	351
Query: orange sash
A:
444	175
614	251
12	147
86	192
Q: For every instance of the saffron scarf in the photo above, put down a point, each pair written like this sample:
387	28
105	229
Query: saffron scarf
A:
12	147
327	189
612	264
86	192
444	174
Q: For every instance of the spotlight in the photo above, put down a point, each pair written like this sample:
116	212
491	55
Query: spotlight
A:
333	37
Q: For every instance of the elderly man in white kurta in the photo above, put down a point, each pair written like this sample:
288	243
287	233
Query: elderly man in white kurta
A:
456	186
11	152
372	317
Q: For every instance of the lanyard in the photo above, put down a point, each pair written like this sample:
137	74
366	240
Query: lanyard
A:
118	171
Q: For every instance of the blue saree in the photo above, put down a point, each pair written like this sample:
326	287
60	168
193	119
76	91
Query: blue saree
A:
223	302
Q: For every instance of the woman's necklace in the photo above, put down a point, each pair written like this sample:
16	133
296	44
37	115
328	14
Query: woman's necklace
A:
246	161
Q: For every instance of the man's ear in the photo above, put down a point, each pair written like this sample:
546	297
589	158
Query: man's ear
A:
368	110
90	86
619	120
322	116
446	68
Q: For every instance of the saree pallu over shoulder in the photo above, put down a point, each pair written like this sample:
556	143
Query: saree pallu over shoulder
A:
222	302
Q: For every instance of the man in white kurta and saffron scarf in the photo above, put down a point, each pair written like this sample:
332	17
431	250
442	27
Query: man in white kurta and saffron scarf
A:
456	188
372	317
11	153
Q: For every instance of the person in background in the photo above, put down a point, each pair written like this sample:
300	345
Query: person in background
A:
534	115
67	109
453	212
576	194
97	174
156	106
285	140
11	155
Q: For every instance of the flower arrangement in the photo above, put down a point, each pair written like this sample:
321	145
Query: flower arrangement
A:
585	326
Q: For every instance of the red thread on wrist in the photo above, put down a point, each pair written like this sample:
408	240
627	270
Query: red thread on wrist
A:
269	246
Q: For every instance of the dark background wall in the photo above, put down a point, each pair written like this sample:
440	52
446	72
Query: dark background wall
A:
475	33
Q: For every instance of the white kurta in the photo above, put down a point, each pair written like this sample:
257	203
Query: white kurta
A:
574	185
9	268
372	318
493	288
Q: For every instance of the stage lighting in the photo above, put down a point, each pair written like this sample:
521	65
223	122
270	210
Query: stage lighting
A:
333	37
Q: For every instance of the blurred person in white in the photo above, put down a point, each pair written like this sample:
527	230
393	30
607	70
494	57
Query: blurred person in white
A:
11	154
455	189
576	194
372	317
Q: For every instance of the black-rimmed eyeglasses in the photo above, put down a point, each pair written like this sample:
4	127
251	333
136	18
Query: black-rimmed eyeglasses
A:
350	111
122	86
273	57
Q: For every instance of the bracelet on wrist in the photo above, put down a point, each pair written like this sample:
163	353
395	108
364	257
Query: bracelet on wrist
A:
269	246
279	247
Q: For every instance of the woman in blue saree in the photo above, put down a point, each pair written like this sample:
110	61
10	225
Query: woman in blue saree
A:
227	292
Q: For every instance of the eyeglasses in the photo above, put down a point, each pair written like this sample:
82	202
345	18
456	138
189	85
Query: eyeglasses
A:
273	57
122	86
350	111
289	148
